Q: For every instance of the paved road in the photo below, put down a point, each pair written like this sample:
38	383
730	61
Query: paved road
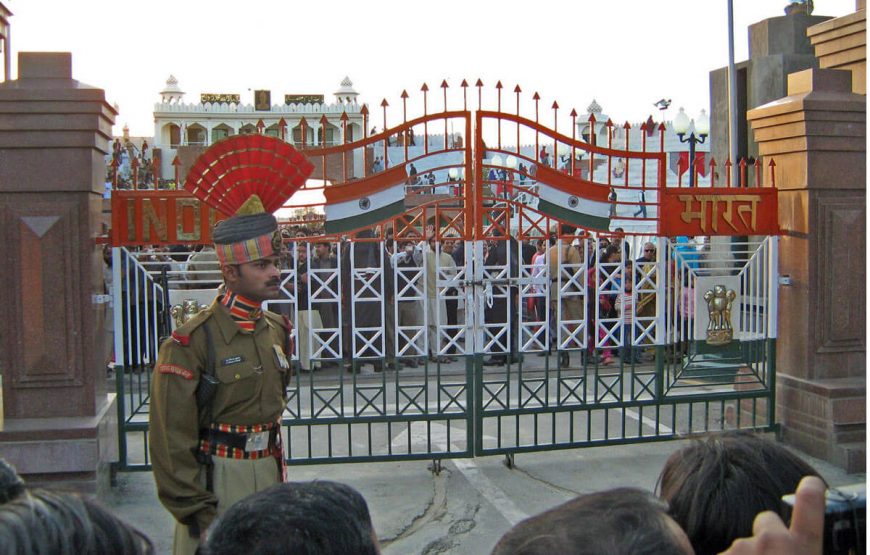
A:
464	509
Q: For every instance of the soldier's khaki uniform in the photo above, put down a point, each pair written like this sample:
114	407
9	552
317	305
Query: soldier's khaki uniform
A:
252	371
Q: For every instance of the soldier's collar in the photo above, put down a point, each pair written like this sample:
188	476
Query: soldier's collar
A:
228	327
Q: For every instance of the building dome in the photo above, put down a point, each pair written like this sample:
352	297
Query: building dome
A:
346	92
594	109
171	92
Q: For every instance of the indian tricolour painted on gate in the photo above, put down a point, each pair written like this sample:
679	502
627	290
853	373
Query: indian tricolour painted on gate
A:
365	202
573	200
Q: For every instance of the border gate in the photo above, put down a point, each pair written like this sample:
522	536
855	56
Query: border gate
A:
465	344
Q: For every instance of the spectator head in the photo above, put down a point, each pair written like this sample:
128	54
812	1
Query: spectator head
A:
649	251
611	254
315	518
11	485
323	249
716	486
301	251
623	521
567	229
44	521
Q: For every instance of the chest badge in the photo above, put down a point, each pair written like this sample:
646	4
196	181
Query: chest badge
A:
232	360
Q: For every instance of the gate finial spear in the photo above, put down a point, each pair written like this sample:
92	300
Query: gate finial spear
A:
343	120
384	105
444	86
479	86
425	89
555	107
464	86
573	115
518	90
536	97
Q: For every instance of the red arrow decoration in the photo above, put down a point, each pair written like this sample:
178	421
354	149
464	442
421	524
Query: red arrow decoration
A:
404	97
384	105
479	86
364	112
444	87
303	124
425	89
343	120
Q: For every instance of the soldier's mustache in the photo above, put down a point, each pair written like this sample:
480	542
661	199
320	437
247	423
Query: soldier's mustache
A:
272	282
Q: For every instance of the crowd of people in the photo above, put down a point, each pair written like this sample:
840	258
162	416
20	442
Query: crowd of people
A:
615	297
556	296
719	494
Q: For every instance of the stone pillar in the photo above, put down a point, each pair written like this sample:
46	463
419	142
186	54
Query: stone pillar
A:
60	423
816	136
842	44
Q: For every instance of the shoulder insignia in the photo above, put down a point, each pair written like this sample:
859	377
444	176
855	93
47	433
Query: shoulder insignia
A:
175	370
183	340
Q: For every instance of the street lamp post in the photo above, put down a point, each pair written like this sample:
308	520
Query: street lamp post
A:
701	127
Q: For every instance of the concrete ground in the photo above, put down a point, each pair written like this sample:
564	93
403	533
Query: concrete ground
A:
463	510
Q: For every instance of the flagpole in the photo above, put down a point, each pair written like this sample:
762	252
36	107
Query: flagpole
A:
732	95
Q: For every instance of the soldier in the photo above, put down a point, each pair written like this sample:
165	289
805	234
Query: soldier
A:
208	451
219	383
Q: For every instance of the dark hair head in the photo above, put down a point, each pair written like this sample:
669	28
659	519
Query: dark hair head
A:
11	485
716	486
567	229
305	518
44	521
623	521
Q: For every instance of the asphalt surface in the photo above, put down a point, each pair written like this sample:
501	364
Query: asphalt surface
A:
466	507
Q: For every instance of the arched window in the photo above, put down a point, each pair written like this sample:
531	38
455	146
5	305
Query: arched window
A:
174	135
273	131
220	132
196	135
332	136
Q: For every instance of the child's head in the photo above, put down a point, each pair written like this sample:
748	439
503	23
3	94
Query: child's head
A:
627	275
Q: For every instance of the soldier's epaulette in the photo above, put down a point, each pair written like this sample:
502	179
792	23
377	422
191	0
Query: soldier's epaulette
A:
181	335
279	319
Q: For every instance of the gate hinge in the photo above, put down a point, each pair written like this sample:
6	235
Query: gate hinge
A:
101	299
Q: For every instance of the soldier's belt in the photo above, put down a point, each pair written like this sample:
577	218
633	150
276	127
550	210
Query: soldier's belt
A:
240	442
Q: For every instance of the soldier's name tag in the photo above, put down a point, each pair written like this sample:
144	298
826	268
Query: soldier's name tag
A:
257	441
232	360
280	358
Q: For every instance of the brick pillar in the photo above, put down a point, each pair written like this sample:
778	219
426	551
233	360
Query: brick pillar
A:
816	136
59	421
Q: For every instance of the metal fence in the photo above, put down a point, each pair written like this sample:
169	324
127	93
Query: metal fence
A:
432	353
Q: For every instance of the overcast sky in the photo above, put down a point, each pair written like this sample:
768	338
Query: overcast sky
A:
626	54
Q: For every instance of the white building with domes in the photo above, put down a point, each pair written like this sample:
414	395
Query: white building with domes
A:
180	122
